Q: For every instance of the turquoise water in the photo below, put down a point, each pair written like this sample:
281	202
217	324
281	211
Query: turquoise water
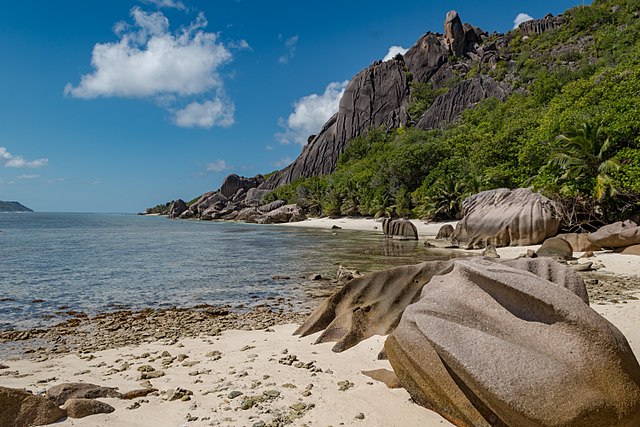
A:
55	262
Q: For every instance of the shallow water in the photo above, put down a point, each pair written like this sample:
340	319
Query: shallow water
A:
56	262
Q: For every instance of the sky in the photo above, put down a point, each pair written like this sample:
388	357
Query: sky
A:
115	106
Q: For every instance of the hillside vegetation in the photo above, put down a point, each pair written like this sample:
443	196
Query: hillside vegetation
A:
570	129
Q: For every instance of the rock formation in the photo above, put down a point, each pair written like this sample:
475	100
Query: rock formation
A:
617	235
541	357
233	183
579	242
373	304
60	393
445	232
539	26
454	33
80	408
402	229
505	217
177	208
19	408
556	247
286	213
467	94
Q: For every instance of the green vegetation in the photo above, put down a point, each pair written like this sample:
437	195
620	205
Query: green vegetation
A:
572	131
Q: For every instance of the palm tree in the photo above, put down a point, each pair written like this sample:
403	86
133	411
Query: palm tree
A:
586	158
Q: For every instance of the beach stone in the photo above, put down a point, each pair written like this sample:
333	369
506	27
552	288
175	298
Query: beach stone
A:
490	252
402	229
248	214
505	217
533	341
579	242
283	214
19	408
60	393
631	250
555	247
373	304
80	408
140	392
617	235
445	232
271	206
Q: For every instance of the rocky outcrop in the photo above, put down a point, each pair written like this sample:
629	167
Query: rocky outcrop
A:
254	196
427	56
373	304
13	207
402	229
271	206
177	208
467	94
233	183
505	217
287	213
556	247
375	97
533	342
579	242
19	408
60	393
454	34
617	235
539	26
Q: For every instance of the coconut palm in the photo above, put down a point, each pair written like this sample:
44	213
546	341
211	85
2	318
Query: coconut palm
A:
586	158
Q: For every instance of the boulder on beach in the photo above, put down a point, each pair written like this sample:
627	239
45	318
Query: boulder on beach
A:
60	393
271	206
555	247
579	242
80	408
373	304
630	250
540	355
283	214
617	235
402	229
19	408
505	217
445	232
177	208
232	183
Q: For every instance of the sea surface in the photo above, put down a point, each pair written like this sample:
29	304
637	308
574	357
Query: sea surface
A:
52	263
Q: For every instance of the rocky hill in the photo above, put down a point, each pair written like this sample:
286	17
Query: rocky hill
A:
13	207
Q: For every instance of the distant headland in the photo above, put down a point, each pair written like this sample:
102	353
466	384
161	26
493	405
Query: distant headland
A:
13	207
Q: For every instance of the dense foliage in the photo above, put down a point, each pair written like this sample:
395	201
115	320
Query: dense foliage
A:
571	131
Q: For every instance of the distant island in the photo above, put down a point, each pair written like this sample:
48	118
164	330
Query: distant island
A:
13	207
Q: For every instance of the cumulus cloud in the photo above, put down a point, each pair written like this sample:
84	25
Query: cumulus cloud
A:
170	4
150	61
217	166
310	113
12	161
290	44
205	114
393	51
520	18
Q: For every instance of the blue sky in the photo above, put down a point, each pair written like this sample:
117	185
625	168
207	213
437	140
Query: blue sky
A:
116	106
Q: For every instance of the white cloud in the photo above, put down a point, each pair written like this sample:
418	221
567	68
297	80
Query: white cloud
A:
12	161
393	51
205	114
269	147
28	176
310	114
217	166
520	18
55	180
286	161
290	44
171	4
173	68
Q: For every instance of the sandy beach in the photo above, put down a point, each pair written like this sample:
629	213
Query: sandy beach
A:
264	377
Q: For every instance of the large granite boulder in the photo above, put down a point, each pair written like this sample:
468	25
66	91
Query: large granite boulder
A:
254	196
505	217
60	393
539	26
467	94
19	408
454	33
215	199
80	408
373	304
233	183
376	97
445	232
427	57
177	208
617	235
247	215
194	206
515	350
399	229
287	213
272	206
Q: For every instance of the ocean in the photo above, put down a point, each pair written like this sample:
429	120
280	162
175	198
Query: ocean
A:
53	263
